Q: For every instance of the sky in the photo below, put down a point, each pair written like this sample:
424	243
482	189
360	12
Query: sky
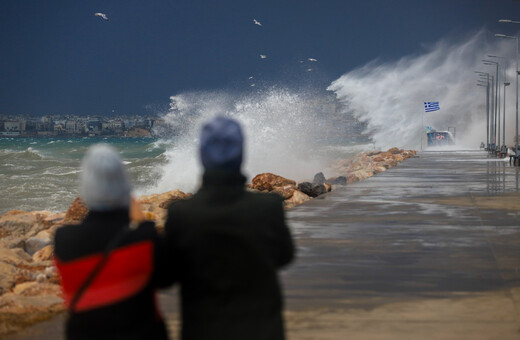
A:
56	57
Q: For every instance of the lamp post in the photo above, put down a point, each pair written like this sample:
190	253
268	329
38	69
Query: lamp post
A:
504	110
487	106
495	101
504	120
516	57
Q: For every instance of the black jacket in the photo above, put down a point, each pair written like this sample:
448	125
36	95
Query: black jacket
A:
228	244
121	301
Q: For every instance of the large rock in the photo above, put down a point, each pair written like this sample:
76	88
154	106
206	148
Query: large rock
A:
286	191
44	254
7	276
319	178
35	243
268	181
34	288
357	176
18	311
155	205
297	198
312	190
339	180
16	223
76	213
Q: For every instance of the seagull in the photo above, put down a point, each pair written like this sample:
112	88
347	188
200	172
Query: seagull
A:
257	22
102	15
311	59
250	77
301	61
252	85
309	69
263	56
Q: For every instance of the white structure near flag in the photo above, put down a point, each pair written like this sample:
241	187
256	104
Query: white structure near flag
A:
431	106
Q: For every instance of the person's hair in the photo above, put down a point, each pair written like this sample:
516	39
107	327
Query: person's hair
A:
104	181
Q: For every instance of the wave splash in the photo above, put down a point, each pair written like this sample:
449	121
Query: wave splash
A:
283	129
390	96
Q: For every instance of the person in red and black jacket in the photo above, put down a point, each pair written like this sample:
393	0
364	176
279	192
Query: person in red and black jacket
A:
109	271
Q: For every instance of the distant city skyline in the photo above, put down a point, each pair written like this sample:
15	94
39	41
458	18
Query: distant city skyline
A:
58	57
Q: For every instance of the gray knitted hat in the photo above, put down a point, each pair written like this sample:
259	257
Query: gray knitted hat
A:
104	182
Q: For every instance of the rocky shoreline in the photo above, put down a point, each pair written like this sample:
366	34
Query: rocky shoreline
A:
29	284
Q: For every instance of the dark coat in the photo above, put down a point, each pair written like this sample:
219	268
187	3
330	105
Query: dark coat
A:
228	244
121	301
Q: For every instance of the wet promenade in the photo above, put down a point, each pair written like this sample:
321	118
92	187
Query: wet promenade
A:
428	249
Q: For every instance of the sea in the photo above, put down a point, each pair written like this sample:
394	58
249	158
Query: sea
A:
43	173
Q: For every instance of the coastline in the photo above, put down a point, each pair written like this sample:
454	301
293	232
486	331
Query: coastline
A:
29	284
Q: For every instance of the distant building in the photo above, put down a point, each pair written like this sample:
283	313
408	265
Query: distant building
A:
12	126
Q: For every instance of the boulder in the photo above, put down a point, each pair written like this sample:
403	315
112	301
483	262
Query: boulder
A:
319	178
318	189
357	176
44	254
16	223
76	213
35	243
305	187
34	288
268	181
17	311
286	191
312	190
54	219
155	205
297	198
339	180
7	276
22	254
328	186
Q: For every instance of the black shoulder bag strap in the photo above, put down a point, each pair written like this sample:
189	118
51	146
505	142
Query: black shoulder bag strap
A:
88	281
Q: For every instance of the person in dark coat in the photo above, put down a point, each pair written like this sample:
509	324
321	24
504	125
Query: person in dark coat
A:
228	244
109	271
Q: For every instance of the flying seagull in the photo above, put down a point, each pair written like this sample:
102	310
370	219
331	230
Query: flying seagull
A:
263	56
252	85
102	15
257	22
250	77
311	59
309	69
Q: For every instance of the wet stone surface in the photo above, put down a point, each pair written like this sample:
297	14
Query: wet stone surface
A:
419	229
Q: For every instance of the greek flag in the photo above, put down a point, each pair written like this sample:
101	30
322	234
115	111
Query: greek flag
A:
431	106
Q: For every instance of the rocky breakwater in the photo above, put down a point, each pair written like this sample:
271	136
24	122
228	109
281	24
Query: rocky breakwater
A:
29	283
347	171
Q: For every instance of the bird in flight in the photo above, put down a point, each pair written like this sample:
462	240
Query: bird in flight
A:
263	56
311	59
250	77
309	69
102	15
257	22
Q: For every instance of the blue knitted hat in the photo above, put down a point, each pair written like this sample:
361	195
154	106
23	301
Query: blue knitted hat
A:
221	144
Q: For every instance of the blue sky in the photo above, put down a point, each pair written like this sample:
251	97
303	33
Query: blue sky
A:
57	57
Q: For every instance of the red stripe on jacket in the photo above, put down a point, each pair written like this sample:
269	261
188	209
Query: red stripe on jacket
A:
126	273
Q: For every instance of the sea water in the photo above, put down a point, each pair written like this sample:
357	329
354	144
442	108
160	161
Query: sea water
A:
43	173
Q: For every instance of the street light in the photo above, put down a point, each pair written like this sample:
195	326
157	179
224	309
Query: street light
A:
516	45
504	111
504	122
495	113
487	106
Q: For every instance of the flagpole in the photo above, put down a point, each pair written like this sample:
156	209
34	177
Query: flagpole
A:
422	127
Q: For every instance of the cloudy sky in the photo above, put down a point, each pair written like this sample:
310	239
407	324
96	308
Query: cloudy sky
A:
57	57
